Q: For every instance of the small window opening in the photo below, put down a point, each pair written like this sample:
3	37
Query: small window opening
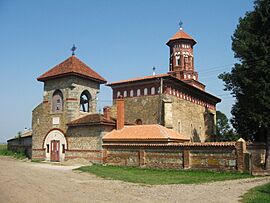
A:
57	101
85	101
145	91
138	92
47	148
138	122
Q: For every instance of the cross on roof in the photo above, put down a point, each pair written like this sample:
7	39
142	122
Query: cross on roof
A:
73	49
181	25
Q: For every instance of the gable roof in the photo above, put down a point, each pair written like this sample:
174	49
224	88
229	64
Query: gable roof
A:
153	132
72	66
180	34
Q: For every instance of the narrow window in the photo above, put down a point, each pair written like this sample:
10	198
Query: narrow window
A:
125	93
153	90
118	94
145	91
138	92
131	93
179	127
85	101
48	148
57	101
63	148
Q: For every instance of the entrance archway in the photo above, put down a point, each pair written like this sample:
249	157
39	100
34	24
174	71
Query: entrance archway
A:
55	145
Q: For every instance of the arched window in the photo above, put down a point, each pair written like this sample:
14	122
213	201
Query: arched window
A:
138	122
145	91
85	101
118	94
153	90
125	93
138	92
131	93
57	101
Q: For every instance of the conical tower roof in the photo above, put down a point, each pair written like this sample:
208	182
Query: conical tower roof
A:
181	35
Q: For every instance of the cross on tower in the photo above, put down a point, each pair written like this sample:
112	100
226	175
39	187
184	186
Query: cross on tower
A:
73	49
181	25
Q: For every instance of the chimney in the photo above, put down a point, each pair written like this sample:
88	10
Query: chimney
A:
106	112
120	113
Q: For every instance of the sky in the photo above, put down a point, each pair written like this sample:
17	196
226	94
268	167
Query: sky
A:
119	39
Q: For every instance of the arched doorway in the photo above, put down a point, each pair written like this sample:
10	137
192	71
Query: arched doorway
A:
55	146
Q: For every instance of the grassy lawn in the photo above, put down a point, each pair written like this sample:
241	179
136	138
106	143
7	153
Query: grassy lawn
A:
159	176
5	152
259	194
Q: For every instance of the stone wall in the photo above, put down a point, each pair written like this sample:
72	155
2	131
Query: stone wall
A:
185	117
191	120
145	108
22	144
86	142
217	156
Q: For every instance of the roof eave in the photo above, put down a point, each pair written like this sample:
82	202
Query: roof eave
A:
44	79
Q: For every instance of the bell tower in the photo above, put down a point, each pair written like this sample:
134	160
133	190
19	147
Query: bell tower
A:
181	61
181	55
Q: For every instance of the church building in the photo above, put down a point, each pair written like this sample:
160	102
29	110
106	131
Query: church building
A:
162	109
176	100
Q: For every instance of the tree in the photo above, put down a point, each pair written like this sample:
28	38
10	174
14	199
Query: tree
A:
223	129
249	80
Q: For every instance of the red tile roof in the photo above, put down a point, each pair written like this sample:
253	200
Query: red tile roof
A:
138	79
144	133
185	144
72	66
92	119
181	35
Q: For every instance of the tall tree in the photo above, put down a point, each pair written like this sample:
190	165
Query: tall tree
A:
223	129
249	80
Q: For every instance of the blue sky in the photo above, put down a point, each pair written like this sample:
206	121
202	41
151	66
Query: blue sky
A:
119	39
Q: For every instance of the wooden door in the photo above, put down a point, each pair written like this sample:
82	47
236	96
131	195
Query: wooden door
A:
55	149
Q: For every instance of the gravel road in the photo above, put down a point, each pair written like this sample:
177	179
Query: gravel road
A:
34	182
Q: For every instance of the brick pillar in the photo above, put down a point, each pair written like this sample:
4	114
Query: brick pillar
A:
186	159
240	150
142	157
104	155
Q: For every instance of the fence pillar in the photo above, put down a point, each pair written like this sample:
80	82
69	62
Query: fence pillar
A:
186	155
104	155
141	157
240	157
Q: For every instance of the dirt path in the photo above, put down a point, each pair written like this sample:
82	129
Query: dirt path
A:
33	182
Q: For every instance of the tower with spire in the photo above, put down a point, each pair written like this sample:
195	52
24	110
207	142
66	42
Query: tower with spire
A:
181	60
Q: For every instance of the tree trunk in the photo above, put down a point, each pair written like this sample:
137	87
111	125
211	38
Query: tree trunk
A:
267	154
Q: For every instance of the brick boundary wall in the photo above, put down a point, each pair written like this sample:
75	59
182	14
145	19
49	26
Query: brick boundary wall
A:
225	156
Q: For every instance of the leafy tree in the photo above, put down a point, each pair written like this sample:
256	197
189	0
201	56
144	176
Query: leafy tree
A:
249	80
223	129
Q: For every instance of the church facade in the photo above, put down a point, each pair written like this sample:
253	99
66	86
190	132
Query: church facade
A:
66	126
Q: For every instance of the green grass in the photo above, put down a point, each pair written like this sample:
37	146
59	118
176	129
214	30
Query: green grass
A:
259	194
159	176
5	152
